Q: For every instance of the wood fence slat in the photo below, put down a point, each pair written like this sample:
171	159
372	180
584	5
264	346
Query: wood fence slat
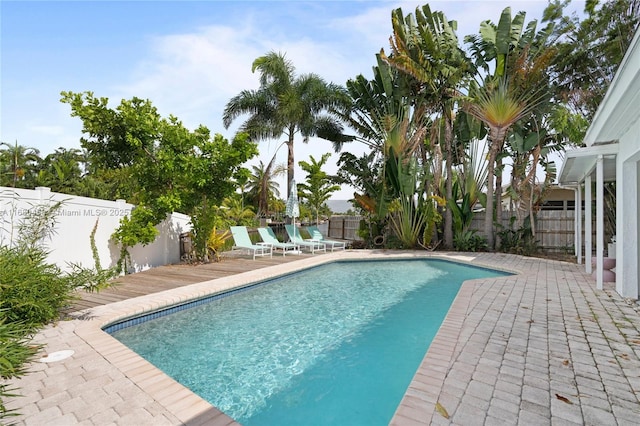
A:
554	228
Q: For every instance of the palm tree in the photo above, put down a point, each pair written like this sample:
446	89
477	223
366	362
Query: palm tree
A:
376	102
390	120
236	212
62	171
319	186
510	92
499	108
288	104
427	49
18	164
262	185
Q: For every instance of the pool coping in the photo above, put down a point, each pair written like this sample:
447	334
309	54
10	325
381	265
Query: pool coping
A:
417	406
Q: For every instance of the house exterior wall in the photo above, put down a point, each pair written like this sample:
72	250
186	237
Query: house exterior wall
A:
618	118
627	212
75	221
559	199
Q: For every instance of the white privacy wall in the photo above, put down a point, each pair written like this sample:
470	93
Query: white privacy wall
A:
75	221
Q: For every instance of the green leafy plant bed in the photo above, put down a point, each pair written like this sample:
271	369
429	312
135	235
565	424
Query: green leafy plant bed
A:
470	241
34	292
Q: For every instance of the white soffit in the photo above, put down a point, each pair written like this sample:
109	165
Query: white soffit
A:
580	163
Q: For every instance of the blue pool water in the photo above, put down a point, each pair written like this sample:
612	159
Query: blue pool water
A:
335	344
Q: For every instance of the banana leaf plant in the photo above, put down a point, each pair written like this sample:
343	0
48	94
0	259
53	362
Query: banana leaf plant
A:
462	212
408	221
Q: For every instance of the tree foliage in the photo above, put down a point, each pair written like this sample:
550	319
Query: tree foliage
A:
18	165
318	185
288	104
262	187
426	48
392	121
170	168
531	83
515	59
590	50
61	171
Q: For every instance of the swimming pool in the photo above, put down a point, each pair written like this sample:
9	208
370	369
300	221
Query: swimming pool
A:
339	341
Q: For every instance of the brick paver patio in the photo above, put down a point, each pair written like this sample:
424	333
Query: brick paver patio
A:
540	347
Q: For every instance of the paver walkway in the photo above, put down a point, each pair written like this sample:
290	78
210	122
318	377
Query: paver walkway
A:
540	347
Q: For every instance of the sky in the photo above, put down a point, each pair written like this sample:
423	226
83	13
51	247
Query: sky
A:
190	57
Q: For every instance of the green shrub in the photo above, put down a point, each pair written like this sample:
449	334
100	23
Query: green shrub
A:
517	241
469	241
137	228
15	353
33	291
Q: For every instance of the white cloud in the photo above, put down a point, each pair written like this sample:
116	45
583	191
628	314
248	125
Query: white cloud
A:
46	126
51	130
193	76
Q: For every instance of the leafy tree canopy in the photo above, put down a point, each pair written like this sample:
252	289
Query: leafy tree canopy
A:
17	165
288	104
591	50
319	186
170	168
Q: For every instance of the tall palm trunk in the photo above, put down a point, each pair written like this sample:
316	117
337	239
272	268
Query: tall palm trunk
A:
448	216
496	140
498	194
290	167
290	161
488	218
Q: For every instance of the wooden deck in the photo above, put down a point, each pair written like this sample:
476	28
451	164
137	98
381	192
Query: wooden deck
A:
172	276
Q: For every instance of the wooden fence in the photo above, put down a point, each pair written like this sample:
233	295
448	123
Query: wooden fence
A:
344	227
555	230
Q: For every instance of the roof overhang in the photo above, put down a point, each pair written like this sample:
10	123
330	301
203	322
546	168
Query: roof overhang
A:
580	163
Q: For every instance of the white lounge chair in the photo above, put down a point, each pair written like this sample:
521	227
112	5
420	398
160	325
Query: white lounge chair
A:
242	241
296	238
316	235
269	237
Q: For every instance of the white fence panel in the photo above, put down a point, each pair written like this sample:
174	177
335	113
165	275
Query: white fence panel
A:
75	221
